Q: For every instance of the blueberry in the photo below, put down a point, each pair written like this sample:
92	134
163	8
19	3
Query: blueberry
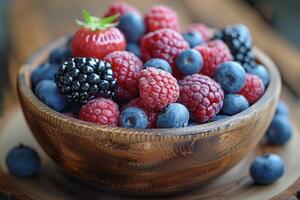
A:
159	64
266	169
193	38
260	71
59	55
23	161
43	72
133	117
234	103
175	115
280	130
133	27
50	95
231	76
189	62
134	48
219	117
282	109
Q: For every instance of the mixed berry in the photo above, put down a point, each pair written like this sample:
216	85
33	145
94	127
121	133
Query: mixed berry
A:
136	71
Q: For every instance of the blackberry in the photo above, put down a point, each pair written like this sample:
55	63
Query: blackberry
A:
84	79
239	41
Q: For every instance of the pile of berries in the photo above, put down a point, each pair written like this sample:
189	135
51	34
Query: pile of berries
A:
144	72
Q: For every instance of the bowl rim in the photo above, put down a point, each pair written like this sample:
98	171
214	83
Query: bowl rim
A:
205	130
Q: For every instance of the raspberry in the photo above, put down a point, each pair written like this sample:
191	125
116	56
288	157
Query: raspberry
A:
202	96
151	114
126	67
213	53
253	89
158	88
160	17
100	111
165	44
202	29
120	7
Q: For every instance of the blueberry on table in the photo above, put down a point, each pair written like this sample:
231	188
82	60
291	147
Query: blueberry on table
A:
194	38
280	130
134	48
189	62
231	76
133	117
132	26
282	109
234	103
175	115
23	161
159	64
267	169
260	71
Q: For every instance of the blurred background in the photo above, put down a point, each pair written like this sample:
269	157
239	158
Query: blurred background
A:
26	25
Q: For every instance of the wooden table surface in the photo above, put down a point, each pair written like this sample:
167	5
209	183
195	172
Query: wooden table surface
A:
34	23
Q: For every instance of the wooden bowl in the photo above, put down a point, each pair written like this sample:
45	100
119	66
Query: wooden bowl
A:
148	161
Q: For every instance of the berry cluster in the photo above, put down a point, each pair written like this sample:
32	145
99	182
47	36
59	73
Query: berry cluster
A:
141	72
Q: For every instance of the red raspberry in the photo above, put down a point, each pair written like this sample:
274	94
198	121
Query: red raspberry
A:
253	89
120	7
202	29
158	88
213	53
202	96
160	17
100	111
151	114
165	44
126	67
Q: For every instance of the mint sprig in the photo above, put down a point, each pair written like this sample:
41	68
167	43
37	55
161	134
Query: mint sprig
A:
96	23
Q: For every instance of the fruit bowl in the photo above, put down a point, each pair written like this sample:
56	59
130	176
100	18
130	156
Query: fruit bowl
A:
148	161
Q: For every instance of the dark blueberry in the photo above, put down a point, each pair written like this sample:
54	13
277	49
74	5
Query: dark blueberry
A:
134	48
59	55
282	109
189	62
43	72
194	38
159	64
175	115
219	117
231	76
280	130
23	161
260	71
267	169
234	103
133	117
132	26
49	94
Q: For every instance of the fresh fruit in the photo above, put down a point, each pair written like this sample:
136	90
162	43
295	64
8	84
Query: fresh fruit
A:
253	89
59	55
160	17
97	38
23	161
133	117
280	130
132	26
83	79
157	88
189	62
159	64
127	68
202	96
50	95
100	111
239	41
151	114
213	53
120	8
201	28
282	109
165	44
219	117
43	72
267	169
231	76
175	115
234	104
194	38
134	48
260	71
